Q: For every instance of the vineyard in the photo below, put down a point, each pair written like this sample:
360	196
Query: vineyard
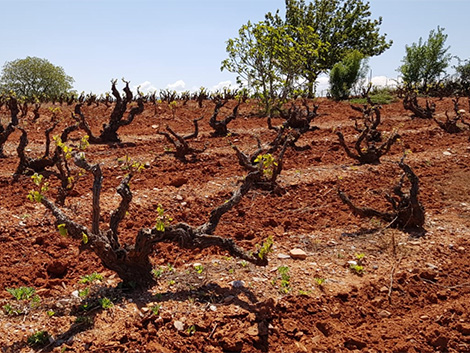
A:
130	224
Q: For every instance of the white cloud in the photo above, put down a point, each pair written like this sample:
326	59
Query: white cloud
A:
222	85
384	81
323	84
177	86
145	87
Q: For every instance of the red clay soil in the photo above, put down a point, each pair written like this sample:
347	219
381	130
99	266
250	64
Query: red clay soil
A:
412	296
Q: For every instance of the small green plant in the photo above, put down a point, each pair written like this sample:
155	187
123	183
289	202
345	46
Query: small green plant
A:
39	338
267	162
360	258
266	248
50	313
127	164
83	293
173	105
22	293
357	269
84	142
319	281
191	330
157	272
170	268
156	309
84	238
62	229
10	310
285	279
85	307
41	188
171	282
105	303
162	220
65	149
244	263
199	268
91	278
35	301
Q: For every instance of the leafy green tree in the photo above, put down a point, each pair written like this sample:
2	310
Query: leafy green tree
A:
346	73
425	62
35	77
463	75
267	57
342	26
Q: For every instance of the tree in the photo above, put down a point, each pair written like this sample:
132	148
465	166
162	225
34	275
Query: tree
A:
269	58
463	76
277	55
424	63
35	77
109	132
132	262
346	73
342	26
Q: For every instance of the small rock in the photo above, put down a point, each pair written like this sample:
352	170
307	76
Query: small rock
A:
447	153
385	314
424	317
259	279
461	249
178	325
178	182
179	197
384	289
298	254
154	126
213	308
283	256
238	284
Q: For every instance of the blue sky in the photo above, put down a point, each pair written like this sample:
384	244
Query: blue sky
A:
180	43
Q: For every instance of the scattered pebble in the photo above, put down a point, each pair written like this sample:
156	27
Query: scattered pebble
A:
298	254
238	284
385	314
178	325
384	289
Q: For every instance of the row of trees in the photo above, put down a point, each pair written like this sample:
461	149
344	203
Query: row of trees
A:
281	57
